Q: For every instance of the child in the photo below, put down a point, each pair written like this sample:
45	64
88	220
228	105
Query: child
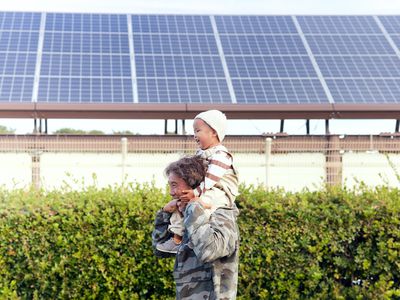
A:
220	185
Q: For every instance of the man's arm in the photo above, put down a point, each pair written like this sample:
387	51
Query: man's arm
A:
160	232
211	238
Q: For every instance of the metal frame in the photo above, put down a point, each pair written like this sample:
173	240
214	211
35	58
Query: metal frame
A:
189	110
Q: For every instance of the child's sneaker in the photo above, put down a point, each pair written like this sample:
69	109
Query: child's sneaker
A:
168	246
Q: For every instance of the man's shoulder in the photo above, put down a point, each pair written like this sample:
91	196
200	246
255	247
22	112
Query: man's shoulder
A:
223	213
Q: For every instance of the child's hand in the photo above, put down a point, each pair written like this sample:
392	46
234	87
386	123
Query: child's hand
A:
181	206
171	206
187	195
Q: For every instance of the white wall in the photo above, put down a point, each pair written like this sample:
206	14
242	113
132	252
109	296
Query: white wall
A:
295	171
372	168
78	169
292	171
16	170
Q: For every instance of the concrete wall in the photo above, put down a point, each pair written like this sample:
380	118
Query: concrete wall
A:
372	168
16	170
292	171
79	169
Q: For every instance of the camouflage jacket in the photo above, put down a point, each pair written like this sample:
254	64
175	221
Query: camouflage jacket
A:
206	265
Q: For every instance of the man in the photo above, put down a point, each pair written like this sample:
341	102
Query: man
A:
206	264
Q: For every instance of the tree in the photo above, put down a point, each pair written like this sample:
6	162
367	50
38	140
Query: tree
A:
77	131
123	132
6	130
97	132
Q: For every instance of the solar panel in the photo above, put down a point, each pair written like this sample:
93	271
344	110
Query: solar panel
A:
262	45
367	91
396	40
267	61
86	59
179	66
255	25
330	25
19	21
359	66
355	58
78	90
270	67
19	34
171	24
177	60
18	41
170	90
68	42
391	24
175	44
104	23
279	91
350	45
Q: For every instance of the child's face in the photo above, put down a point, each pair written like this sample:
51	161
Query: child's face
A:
204	135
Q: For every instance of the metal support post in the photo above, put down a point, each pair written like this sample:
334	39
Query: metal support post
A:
36	169
183	127
327	131
124	152
268	150
334	168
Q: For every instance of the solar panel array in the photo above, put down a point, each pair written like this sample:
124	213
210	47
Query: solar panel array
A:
177	60
356	59
117	58
267	60
85	58
19	35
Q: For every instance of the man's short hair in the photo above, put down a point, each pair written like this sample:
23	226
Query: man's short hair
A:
192	169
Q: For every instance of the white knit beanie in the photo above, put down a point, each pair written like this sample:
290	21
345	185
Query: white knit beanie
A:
216	120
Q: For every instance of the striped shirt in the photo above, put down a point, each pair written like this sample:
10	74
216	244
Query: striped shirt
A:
219	162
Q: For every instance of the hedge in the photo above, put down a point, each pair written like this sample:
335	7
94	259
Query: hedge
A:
96	244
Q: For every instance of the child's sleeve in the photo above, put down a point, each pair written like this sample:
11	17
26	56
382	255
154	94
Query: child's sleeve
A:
220	162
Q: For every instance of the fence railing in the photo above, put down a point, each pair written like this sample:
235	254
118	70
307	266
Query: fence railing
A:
291	162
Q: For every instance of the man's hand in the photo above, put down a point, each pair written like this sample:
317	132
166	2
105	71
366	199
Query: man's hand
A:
171	206
187	195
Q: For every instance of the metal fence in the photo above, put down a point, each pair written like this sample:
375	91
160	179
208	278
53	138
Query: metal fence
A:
290	162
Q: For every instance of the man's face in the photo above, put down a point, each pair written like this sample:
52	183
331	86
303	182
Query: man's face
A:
176	186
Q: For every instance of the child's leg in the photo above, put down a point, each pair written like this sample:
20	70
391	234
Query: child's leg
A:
176	227
215	198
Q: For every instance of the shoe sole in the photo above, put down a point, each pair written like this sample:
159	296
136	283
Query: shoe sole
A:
167	251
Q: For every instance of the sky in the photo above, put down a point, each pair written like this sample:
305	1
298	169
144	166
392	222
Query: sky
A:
260	7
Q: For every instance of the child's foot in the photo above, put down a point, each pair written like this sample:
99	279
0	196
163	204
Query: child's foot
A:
169	246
